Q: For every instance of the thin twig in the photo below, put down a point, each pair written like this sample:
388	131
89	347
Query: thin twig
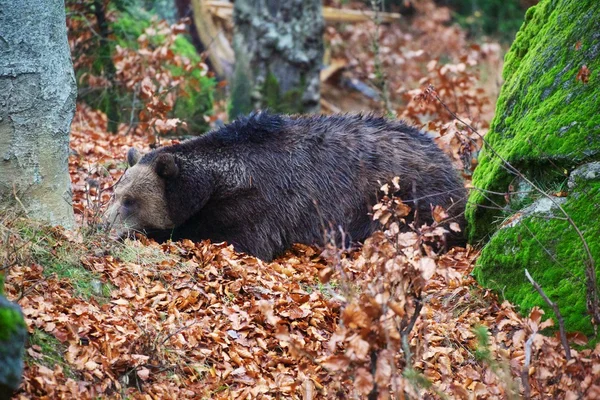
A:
561	322
131	116
406	329
525	370
19	200
381	81
181	329
590	266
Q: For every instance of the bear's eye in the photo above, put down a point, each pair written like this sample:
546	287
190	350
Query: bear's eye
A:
128	202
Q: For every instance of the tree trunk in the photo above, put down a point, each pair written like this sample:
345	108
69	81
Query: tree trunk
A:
37	102
217	46
278	51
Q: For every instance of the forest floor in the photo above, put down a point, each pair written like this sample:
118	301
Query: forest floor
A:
137	319
196	320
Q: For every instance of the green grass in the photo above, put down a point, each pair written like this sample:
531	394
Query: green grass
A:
63	262
134	252
328	290
52	351
58	256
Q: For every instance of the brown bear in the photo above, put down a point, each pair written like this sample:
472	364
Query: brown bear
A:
267	181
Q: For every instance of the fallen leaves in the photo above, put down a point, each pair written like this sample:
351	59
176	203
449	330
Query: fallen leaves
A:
204	321
583	75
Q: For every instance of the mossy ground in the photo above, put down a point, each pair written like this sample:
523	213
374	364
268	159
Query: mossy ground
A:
30	242
61	259
546	124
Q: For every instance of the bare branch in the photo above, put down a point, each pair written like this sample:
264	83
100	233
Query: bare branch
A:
407	327
561	322
525	370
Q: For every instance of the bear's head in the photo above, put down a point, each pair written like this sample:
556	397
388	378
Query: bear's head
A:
140	199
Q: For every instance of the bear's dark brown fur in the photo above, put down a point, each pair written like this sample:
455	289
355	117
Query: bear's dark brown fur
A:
267	181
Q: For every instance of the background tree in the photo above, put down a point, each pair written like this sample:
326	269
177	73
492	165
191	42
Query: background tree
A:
278	54
37	103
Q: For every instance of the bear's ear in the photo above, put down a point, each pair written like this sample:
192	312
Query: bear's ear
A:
133	156
165	166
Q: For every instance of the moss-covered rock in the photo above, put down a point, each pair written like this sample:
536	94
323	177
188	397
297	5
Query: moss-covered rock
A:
547	123
542	241
12	346
545	117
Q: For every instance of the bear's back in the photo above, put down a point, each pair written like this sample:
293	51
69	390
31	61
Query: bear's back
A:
289	179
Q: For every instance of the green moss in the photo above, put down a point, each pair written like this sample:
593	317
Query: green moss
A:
289	102
11	321
545	117
554	256
61	258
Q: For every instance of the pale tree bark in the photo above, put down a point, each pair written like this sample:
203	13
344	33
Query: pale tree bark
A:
37	103
278	55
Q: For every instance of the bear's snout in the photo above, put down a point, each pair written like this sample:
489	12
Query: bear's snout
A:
114	220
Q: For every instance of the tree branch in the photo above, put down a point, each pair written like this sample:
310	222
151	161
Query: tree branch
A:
525	370
561	322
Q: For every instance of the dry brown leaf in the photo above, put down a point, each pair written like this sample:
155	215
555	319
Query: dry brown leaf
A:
363	381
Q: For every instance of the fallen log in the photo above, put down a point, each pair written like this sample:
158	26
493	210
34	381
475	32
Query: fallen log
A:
224	10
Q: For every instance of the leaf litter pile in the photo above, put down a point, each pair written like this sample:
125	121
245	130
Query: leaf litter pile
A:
392	319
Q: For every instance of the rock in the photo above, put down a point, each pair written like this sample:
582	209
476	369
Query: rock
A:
588	172
543	207
547	125
546	119
13	334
